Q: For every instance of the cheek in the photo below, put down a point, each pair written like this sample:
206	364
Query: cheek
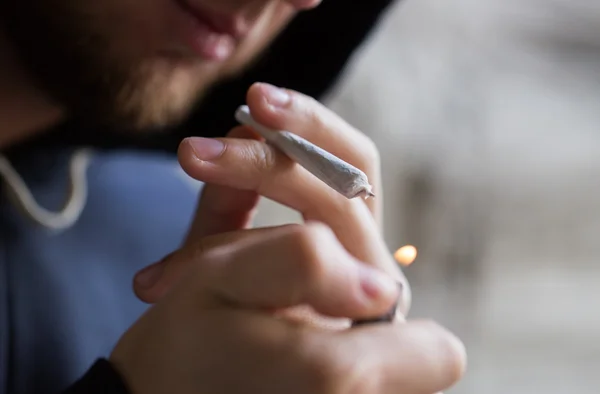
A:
273	20
137	27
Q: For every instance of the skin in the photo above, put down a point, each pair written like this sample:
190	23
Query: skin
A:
316	276
116	61
235	309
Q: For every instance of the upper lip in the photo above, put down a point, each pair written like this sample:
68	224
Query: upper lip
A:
234	25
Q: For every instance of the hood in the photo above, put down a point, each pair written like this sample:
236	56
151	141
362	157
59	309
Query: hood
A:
308	56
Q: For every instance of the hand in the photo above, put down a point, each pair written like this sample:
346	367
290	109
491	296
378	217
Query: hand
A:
216	332
220	329
237	171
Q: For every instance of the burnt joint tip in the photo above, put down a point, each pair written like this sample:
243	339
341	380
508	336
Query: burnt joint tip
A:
364	193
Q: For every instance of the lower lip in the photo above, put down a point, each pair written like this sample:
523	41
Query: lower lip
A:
205	41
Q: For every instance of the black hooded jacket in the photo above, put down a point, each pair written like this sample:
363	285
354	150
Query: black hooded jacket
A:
308	56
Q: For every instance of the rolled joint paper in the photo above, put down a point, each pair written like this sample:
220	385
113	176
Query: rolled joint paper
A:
333	171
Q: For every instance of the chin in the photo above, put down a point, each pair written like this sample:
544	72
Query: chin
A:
153	97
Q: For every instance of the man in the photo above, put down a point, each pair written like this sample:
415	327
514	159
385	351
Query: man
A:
234	309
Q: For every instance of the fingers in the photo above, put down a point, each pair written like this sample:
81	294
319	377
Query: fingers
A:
222	208
418	357
288	110
153	282
290	266
256	166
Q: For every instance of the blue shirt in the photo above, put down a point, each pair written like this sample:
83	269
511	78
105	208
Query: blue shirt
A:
66	296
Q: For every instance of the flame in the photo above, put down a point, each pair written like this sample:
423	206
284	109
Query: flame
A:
406	255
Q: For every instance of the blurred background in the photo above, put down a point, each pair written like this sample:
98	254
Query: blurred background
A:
487	115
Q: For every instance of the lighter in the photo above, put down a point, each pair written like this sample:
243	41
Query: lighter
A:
387	318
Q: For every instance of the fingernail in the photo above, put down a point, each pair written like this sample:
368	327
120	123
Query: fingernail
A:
206	149
388	317
375	284
275	96
150	275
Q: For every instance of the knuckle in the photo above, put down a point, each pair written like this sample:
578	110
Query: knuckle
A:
261	162
258	156
312	110
306	241
307	104
318	230
207	256
204	248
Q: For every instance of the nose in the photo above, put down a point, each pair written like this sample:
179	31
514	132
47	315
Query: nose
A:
304	4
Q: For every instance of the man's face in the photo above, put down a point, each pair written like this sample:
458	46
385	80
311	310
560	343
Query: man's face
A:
139	63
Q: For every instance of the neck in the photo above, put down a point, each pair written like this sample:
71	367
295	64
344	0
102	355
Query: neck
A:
24	110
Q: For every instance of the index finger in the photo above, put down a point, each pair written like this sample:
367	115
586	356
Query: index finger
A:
305	116
253	165
289	266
